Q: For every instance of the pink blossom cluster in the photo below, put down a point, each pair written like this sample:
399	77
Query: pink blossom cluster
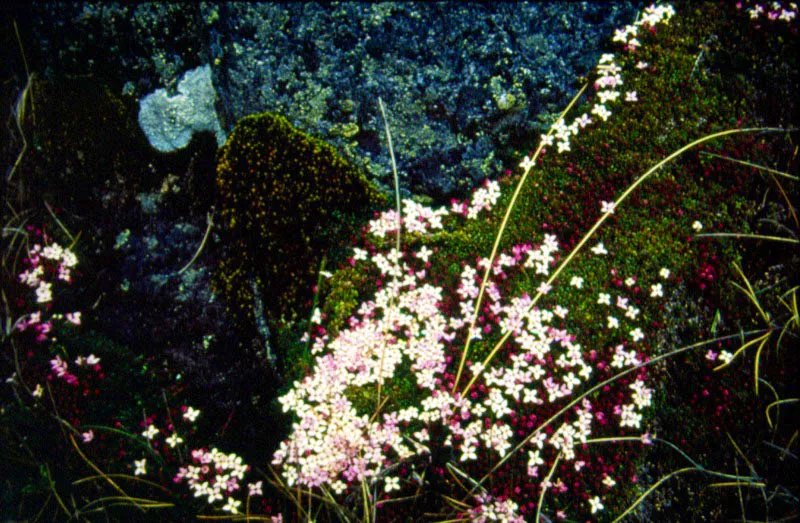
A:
43	265
772	11
334	445
411	324
60	367
491	509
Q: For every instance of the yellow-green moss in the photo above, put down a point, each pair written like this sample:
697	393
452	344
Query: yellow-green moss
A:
284	196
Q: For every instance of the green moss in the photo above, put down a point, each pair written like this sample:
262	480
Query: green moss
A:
285	199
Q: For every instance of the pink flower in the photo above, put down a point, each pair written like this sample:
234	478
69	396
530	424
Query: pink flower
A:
254	489
87	436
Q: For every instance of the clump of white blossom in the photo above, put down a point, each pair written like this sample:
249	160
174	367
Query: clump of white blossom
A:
333	445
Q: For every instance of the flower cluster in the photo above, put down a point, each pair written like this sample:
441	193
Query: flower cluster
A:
772	12
216	476
46	266
491	509
411	329
417	218
212	474
334	445
652	16
606	85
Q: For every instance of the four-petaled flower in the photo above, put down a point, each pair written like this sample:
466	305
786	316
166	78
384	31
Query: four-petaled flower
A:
607	207
87	436
637	334
527	163
697	226
656	291
664	273
613	323
232	506
191	414
599	249
141	467
150	432
630	96
174	440
392	483
254	489
424	253
595	504
609	482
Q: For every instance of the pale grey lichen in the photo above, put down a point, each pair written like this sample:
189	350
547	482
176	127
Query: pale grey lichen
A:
170	121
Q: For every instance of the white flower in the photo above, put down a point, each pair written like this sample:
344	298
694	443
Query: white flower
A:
656	291
595	504
604	299
632	312
583	121
547	139
606	58
44	292
174	440
642	65
316	318
664	273
150	432
601	111
630	96
87	436
141	467
468	453
609	482
613	323
599	249
527	163
637	334
725	357
563	146
392	483
424	253
576	282
191	414
607	95
232	506
607	207
697	226
38	391
359	254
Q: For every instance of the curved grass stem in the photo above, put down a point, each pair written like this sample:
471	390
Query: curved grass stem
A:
563	265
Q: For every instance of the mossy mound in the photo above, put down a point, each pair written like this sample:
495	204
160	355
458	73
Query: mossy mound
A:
285	198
